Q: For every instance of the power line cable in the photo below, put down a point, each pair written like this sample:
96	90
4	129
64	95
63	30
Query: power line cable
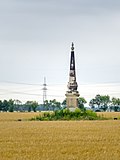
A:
10	82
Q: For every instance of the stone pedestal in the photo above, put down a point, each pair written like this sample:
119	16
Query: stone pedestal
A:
72	99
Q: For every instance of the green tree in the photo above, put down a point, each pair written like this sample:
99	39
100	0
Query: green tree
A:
101	101
46	105
105	101
64	103
54	104
32	105
92	103
11	105
28	105
115	104
98	100
81	103
5	105
0	105
17	105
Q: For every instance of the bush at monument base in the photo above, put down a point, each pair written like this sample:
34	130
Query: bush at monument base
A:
66	114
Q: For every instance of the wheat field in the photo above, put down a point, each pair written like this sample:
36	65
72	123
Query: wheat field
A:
111	115
57	140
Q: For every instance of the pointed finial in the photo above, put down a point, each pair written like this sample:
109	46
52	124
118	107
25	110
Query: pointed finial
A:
72	48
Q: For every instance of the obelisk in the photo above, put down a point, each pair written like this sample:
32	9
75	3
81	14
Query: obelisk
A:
72	94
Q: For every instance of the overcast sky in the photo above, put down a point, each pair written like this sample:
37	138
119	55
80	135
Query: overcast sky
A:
36	36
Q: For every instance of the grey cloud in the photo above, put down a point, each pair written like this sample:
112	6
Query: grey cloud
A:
56	6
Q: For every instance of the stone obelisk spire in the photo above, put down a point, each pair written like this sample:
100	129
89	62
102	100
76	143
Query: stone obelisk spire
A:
72	84
72	94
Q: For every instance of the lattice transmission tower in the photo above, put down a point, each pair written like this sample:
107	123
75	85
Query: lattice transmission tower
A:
44	90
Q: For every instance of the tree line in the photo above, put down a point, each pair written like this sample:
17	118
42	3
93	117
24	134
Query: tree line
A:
99	103
104	103
16	105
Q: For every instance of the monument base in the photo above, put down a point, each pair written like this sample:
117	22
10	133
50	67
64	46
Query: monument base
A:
72	99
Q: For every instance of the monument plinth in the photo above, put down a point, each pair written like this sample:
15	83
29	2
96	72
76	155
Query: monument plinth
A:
72	94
